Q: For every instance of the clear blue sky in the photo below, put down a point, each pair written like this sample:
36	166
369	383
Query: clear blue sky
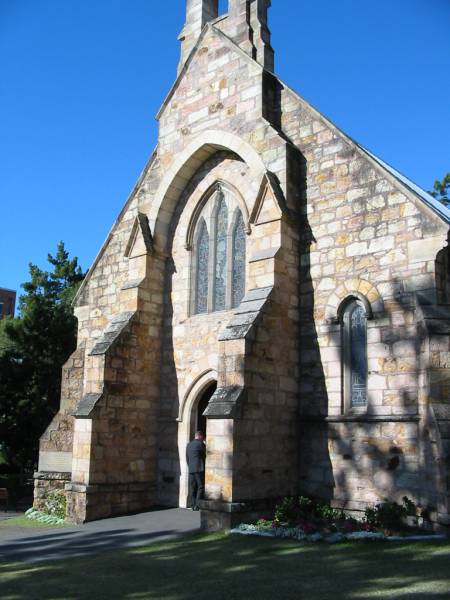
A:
81	81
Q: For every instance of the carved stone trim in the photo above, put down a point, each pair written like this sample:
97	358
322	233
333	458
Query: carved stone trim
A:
246	315
140	227
112	332
52	476
225	403
87	405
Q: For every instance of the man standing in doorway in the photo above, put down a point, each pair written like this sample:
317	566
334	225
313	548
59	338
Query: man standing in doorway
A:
195	458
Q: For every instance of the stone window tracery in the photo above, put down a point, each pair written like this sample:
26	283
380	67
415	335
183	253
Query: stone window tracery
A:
220	267
355	356
238	269
219	254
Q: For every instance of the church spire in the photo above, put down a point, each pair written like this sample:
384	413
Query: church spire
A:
246	24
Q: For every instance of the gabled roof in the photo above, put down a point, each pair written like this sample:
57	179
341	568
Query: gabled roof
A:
432	203
437	207
206	28
429	200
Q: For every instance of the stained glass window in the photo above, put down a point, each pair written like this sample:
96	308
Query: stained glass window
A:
238	268
219	259
201	296
358	355
220	283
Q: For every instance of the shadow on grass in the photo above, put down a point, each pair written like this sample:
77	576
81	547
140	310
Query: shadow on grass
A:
217	567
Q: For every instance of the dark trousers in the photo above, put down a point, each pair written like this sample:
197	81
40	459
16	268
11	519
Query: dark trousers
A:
196	487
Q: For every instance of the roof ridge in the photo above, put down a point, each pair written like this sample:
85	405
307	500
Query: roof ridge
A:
430	200
432	203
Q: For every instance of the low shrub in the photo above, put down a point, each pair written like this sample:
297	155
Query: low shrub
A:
390	515
305	507
312	516
304	510
55	504
287	511
327	513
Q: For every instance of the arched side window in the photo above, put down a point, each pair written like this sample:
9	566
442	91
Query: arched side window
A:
219	254
354	341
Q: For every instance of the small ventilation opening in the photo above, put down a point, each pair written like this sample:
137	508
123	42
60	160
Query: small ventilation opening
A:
223	7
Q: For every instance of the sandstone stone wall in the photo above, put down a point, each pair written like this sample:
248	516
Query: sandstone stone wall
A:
365	236
326	222
56	444
220	91
46	483
191	347
114	462
122	378
266	438
436	422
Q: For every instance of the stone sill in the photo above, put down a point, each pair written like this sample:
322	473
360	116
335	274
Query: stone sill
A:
261	255
52	475
220	506
255	504
362	419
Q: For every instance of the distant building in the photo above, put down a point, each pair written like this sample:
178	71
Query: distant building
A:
7	302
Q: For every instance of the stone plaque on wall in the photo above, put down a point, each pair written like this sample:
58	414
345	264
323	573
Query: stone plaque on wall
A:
60	462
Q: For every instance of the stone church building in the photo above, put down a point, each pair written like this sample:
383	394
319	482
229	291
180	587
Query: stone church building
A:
272	282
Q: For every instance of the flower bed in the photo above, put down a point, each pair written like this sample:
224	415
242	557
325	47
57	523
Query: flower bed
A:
55	510
297	533
41	517
304	519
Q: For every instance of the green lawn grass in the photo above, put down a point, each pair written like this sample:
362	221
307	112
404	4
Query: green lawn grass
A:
22	521
218	567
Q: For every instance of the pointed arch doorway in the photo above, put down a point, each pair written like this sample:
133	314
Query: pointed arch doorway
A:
191	420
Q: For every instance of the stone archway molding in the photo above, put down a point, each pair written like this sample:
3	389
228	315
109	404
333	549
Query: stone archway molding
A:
185	166
194	390
356	288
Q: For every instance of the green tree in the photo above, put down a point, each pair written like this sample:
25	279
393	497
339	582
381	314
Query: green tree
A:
33	348
441	190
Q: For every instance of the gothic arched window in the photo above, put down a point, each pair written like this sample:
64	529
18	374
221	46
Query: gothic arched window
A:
355	355
219	254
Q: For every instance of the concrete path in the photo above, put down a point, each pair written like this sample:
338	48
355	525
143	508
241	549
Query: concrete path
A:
9	515
36	545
